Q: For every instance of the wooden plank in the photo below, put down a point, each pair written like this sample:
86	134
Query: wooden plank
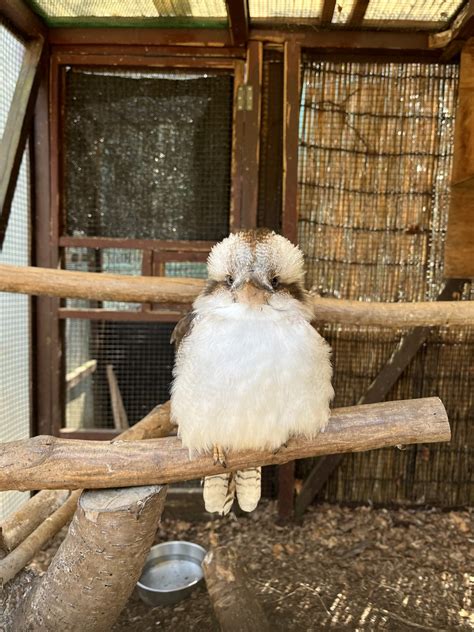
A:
291	109
459	250
50	463
238	14
341	39
238	129
145	316
459	31
17	128
328	11
140	37
42	305
143	61
401	357
251	137
160	245
358	13
118	49
17	14
118	409
73	378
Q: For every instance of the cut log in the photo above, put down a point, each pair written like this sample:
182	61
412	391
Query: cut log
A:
168	290
234	602
24	521
27	538
12	564
97	566
48	463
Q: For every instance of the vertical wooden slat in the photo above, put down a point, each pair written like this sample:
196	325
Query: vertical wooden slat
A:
237	153
328	11
459	251
291	108
42	305
358	13
22	18
17	128
56	325
251	144
238	14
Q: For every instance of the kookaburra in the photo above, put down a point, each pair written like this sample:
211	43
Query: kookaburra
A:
250	371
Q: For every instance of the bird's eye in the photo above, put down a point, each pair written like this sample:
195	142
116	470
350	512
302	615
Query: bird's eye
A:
229	280
275	282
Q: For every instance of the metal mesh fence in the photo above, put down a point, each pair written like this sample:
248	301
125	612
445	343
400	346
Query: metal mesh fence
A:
14	308
131	8
421	10
375	160
142	359
270	181
148	155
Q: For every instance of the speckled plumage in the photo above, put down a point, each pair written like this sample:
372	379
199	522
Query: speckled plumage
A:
250	371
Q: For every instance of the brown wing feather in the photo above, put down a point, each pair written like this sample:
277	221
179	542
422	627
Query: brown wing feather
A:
182	329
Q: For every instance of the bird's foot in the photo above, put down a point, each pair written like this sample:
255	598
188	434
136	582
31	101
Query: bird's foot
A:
219	456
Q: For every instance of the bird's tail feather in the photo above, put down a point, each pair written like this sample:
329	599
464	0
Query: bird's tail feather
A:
219	493
220	490
248	487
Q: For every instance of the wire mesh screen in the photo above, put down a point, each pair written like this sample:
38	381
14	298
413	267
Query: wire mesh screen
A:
419	10
141	357
131	8
112	260
270	181
375	160
285	8
148	155
14	308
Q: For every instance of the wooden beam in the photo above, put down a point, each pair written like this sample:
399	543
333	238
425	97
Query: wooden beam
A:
51	463
140	37
23	20
17	129
238	14
452	39
73	378
118	409
249	106
327	12
401	357
358	13
291	109
182	291
459	250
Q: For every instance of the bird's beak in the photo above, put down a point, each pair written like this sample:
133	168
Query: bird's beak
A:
252	294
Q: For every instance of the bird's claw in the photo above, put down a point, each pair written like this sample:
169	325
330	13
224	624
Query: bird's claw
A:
219	456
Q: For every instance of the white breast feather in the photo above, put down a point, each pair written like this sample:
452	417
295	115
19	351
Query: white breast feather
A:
250	379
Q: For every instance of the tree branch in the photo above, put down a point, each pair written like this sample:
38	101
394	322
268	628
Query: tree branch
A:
173	290
49	463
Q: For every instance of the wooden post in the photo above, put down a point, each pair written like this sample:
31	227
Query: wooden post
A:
49	463
459	252
98	564
235	605
118	409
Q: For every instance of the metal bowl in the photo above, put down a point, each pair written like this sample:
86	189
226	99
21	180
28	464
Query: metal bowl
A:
171	571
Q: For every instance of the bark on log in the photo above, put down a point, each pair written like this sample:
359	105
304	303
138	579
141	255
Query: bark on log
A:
117	287
97	566
19	525
235	605
27	538
49	463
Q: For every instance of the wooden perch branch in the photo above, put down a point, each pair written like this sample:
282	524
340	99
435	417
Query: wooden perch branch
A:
48	463
118	287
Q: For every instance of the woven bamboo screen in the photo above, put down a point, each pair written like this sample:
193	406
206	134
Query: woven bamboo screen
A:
374	165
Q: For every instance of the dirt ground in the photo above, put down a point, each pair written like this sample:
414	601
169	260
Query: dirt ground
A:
342	569
353	569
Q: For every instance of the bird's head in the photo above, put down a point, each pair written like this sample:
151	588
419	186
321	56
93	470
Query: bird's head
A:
257	269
